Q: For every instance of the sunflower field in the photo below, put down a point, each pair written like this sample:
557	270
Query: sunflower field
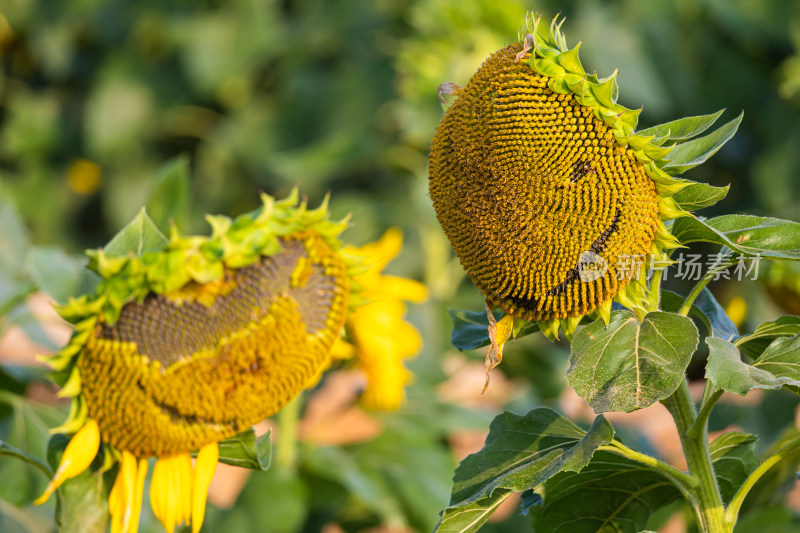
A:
400	266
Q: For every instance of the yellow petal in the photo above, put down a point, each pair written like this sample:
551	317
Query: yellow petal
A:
171	490
78	455
185	484
342	349
160	491
397	288
136	508
125	499
172	498
116	503
206	464
128	489
379	253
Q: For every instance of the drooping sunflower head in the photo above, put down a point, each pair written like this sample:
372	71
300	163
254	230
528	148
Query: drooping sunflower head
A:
198	339
190	340
550	200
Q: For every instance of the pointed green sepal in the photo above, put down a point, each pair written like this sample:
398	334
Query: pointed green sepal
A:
550	328
669	210
604	311
570	61
639	142
569	325
72	387
606	91
664	239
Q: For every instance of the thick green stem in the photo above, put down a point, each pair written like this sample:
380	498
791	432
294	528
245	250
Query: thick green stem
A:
708	503
286	447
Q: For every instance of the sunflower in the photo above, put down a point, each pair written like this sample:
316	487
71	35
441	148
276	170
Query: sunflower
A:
380	340
549	198
192	340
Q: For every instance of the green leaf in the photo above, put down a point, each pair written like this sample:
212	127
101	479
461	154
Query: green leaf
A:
363	473
169	197
775	519
520	452
754	344
342	467
470	328
24	426
247	451
629	365
772	238
683	129
699	195
275	501
138	237
778	366
14	241
721	324
58	274
706	309
612	494
10	451
734	456
421	496
82	505
689	154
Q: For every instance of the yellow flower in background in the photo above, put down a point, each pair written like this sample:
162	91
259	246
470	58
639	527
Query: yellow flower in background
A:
737	310
84	177
381	339
192	341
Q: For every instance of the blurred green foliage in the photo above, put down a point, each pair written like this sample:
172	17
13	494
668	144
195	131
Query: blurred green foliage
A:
247	95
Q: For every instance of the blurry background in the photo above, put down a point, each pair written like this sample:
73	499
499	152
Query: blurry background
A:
249	95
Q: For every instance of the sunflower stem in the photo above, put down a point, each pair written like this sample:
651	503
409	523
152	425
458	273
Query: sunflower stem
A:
683	479
708	502
712	274
286	447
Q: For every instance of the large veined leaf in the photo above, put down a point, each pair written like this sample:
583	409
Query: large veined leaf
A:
520	452
689	154
778	366
628	364
682	129
699	195
772	238
138	237
734	456
755	343
612	494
